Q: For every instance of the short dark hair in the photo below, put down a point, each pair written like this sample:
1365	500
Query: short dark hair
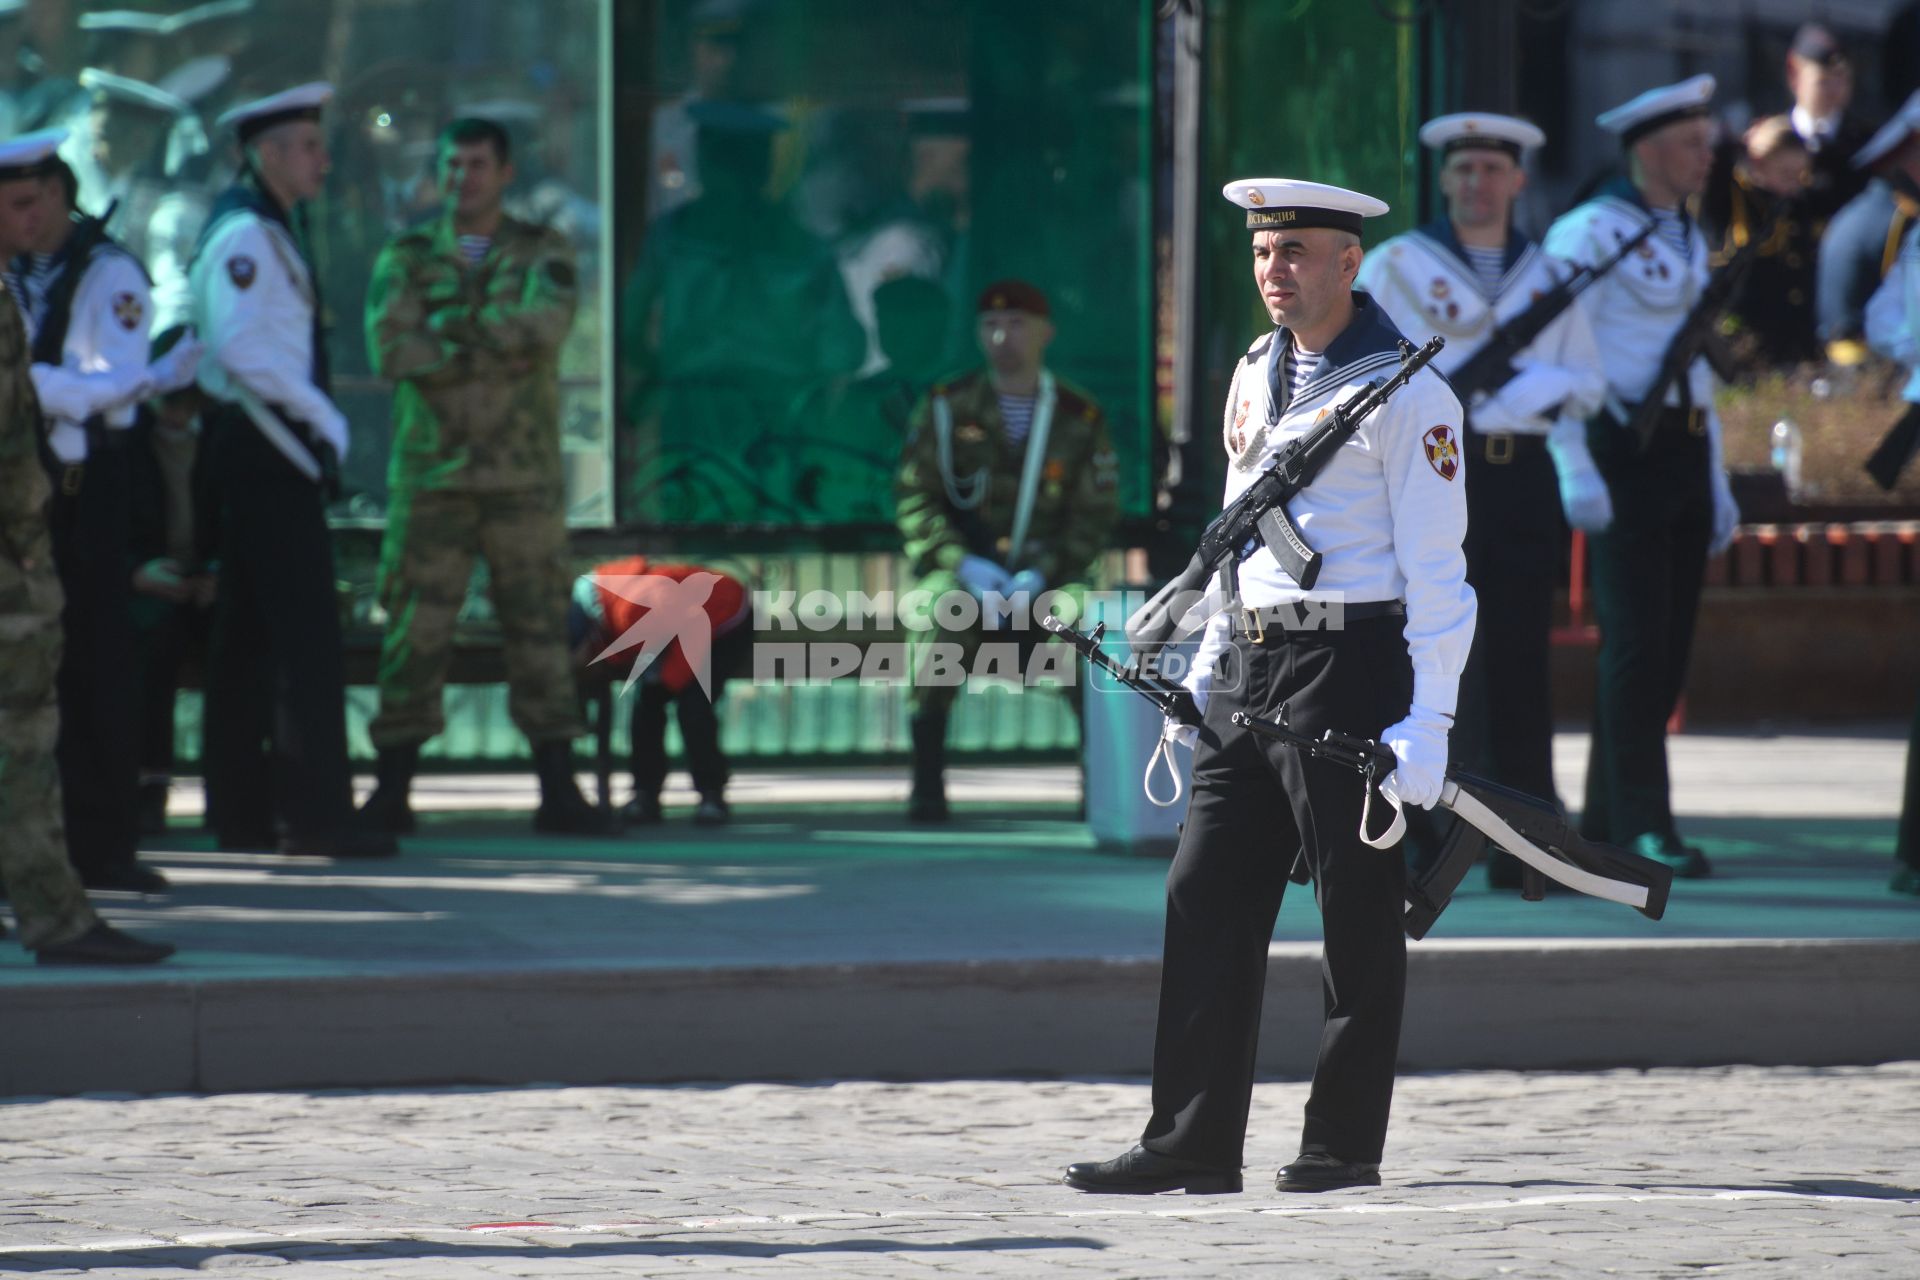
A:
58	170
471	129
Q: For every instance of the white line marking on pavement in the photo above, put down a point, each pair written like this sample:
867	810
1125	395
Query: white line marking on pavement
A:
354	1234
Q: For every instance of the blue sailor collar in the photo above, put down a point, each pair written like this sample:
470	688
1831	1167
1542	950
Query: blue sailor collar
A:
1622	188
1440	235
1370	342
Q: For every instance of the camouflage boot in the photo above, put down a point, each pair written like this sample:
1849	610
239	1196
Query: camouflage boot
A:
563	810
928	800
388	808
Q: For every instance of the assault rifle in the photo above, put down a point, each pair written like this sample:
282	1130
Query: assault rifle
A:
1261	511
1490	368
1695	335
1530	829
1173	700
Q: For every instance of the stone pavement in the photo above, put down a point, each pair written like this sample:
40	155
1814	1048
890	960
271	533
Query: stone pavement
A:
1747	1172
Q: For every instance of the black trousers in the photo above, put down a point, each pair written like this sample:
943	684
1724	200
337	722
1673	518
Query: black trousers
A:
1515	547
731	655
276	729
97	752
1647	572
166	636
1255	805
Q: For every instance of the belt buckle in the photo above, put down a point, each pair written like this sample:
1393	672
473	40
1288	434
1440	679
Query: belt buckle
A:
1696	421
1499	450
1256	628
70	481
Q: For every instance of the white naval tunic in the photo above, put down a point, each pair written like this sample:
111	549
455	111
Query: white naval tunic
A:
253	306
1388	514
1637	308
1893	314
103	363
1427	289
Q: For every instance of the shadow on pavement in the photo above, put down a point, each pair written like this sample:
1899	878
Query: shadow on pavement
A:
1840	1187
197	1257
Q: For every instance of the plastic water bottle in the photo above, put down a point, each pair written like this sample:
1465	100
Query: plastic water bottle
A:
1786	454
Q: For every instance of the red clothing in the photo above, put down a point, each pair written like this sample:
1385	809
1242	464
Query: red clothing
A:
726	607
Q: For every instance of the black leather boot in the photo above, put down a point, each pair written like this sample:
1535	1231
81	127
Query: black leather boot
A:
563	810
388	808
928	800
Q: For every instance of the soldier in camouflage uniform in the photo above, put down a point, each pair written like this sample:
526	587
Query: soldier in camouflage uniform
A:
49	904
959	498
466	314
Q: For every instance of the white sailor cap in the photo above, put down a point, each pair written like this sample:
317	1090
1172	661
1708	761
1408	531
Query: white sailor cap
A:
1903	125
108	86
1477	130
162	24
1272	203
1658	108
30	155
302	102
195	78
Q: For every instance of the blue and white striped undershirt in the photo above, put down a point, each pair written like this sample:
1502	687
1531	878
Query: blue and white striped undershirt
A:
474	248
1488	264
1017	413
1300	369
1671	227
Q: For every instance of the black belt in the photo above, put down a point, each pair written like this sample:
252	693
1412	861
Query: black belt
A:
1499	448
1309	615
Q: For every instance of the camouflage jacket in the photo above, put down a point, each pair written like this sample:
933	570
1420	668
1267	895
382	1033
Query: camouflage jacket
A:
1074	510
474	353
24	536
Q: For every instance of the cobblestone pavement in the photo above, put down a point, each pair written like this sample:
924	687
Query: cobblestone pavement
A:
1741	1171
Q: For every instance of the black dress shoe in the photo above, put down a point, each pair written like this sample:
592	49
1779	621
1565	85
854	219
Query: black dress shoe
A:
642	811
712	812
1906	881
349	842
1688	863
1320	1171
103	944
128	878
1141	1172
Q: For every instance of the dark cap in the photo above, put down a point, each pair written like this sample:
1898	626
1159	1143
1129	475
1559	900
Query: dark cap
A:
1013	295
1814	43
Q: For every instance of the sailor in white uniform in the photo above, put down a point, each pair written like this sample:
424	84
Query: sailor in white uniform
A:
1671	502
1462	277
86	305
1388	515
272	442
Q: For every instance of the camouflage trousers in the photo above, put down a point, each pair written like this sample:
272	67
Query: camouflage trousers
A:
48	902
944	654
426	559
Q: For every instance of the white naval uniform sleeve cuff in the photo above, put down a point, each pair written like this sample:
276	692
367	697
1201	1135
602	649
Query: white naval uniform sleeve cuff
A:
1435	692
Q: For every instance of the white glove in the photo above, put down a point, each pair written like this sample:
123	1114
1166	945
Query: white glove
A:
1492	417
1583	491
1419	746
981	575
1726	514
177	368
1171	731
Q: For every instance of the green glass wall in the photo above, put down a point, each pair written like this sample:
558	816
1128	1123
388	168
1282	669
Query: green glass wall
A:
812	196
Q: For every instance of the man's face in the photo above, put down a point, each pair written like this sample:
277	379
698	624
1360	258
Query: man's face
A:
1303	275
473	178
1679	156
1821	89
22	215
1014	342
294	157
124	138
1480	186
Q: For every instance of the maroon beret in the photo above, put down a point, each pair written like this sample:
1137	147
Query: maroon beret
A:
1013	295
